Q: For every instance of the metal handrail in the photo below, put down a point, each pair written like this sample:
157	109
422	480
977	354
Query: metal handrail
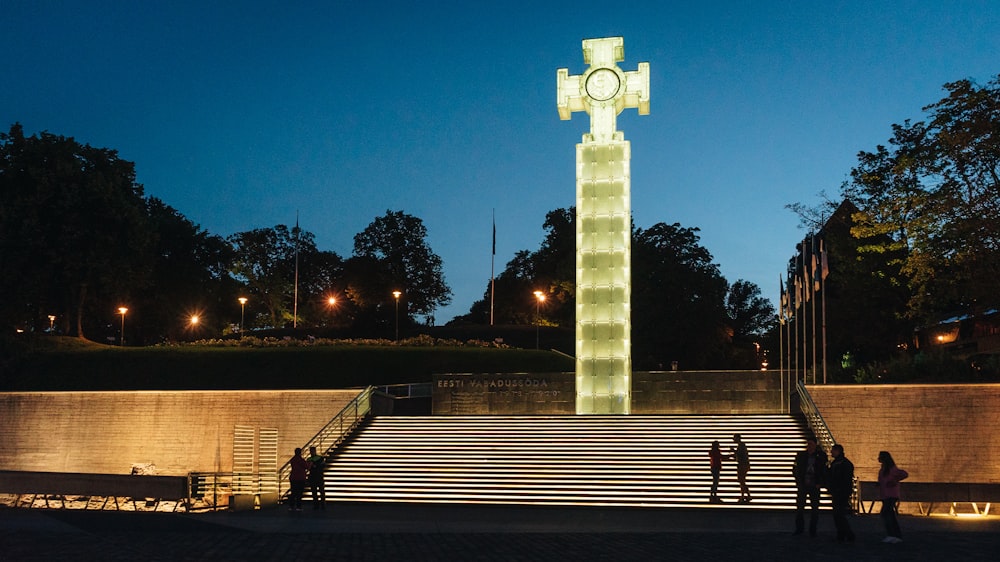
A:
213	490
335	430
408	390
815	420
822	431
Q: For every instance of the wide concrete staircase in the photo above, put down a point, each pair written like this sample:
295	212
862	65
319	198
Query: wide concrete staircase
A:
656	461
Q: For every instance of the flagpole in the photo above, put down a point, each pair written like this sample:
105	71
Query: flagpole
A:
493	260
805	344
781	359
824	270
813	288
781	347
788	341
781	341
798	321
788	345
295	304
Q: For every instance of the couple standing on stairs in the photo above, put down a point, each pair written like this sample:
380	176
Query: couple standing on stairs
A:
307	470
738	452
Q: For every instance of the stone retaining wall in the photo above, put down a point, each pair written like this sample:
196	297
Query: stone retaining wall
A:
177	431
706	392
938	433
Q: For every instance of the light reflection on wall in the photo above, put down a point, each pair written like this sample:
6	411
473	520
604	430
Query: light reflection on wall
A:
944	336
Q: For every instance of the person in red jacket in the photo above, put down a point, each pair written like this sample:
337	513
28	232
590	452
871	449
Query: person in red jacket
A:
297	480
715	463
888	488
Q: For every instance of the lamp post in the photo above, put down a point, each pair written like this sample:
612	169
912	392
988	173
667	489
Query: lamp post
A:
396	295
122	310
243	305
539	298
193	324
331	302
52	321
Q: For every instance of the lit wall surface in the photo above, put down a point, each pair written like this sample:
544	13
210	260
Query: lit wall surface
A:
603	225
176	431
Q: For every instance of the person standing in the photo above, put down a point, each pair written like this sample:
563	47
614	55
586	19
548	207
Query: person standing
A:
742	456
297	480
889	476
715	462
841	485
809	470
316	484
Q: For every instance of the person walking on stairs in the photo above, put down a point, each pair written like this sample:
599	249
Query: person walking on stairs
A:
742	456
715	463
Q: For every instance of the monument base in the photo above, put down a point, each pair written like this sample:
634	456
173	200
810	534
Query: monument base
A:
653	392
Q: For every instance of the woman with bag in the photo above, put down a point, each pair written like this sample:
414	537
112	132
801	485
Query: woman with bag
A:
889	477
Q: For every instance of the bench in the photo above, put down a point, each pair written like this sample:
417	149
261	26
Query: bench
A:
926	494
63	484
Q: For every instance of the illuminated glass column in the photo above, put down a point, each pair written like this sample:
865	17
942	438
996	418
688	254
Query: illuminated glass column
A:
603	224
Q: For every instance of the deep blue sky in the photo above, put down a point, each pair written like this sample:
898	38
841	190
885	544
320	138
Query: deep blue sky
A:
239	114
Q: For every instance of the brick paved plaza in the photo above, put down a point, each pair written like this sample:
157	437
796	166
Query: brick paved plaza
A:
399	532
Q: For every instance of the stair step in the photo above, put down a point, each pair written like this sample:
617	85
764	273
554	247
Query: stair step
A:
563	460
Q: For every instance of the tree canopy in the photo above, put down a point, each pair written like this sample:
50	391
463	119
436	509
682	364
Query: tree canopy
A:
73	231
682	308
915	237
678	300
932	195
398	243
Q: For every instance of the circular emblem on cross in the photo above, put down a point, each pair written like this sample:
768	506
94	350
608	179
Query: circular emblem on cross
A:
603	84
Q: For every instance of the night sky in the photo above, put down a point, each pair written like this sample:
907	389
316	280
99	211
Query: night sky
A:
240	114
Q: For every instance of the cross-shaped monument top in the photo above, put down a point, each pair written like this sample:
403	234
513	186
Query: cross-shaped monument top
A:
604	90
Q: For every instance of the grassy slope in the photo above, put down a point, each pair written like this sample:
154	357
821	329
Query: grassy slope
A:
69	364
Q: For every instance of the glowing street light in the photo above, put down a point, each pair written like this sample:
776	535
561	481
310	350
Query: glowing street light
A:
539	299
396	295
243	305
331	303
193	321
122	310
52	321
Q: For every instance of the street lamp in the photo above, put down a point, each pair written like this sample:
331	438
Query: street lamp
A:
539	298
52	321
193	322
331	302
243	306
395	295
122	310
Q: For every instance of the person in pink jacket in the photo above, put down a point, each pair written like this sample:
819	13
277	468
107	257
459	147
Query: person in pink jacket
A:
297	480
888	488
